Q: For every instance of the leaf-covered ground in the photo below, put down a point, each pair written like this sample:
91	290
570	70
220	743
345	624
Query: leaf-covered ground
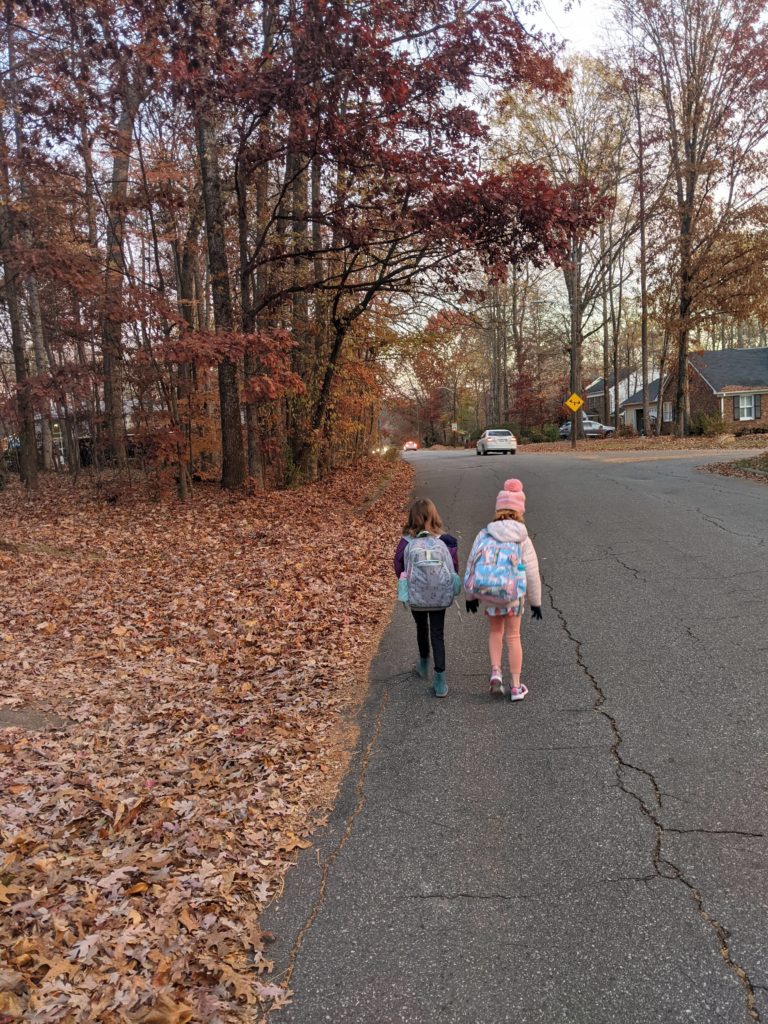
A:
749	469
175	683
645	444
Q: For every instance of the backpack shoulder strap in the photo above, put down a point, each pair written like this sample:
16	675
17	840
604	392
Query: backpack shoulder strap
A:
407	553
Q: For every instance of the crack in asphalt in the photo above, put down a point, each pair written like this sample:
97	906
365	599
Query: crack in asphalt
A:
663	867
734	533
714	832
331	858
630	568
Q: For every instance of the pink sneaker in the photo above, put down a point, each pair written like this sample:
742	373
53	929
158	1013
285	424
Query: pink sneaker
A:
497	687
518	692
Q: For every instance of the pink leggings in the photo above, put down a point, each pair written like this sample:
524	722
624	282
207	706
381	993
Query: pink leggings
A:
499	625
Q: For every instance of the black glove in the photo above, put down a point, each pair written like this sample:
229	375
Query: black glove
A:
536	611
472	606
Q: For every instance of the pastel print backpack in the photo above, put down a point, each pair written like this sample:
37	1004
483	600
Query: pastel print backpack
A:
495	571
429	572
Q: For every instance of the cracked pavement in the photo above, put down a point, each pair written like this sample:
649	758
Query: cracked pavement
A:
596	854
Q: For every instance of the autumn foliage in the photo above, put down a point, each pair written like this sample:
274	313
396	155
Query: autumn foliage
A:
206	204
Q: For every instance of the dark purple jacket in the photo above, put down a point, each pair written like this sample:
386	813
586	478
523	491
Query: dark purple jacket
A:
450	542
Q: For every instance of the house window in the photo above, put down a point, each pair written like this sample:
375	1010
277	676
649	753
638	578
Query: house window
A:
666	412
746	407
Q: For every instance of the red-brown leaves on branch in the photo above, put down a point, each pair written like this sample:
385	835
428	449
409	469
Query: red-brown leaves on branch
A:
515	217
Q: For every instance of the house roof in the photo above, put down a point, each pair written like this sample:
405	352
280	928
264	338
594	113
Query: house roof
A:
637	398
597	387
733	369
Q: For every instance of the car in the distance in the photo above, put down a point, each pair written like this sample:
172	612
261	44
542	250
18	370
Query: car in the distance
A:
411	446
496	441
591	428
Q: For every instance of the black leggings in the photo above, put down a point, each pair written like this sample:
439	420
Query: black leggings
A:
431	624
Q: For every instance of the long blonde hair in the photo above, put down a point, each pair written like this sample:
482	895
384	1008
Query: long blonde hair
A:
423	517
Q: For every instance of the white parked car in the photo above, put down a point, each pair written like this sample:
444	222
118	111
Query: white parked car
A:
497	441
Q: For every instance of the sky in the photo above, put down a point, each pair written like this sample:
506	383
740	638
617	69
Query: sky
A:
581	26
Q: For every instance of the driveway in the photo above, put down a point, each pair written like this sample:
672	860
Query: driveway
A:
596	854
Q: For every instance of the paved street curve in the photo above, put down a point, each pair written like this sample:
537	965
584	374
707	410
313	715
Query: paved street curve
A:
598	853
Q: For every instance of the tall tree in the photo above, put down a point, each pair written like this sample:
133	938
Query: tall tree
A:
233	455
706	60
116	269
581	142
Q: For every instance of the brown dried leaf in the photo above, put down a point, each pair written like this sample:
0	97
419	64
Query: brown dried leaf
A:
193	662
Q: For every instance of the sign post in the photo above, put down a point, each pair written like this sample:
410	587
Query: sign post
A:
574	403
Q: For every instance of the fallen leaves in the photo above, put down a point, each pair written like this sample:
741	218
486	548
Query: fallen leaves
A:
192	679
636	443
165	1011
748	469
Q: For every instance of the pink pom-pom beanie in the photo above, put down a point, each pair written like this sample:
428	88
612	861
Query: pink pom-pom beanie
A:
512	497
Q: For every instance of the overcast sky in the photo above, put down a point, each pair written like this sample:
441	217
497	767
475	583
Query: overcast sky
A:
581	27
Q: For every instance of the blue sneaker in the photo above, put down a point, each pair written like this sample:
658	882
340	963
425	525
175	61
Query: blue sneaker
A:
439	685
422	667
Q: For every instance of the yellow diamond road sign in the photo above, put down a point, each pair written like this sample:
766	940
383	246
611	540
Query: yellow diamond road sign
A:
575	402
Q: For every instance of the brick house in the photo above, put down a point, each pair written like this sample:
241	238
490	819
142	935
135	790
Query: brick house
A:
731	383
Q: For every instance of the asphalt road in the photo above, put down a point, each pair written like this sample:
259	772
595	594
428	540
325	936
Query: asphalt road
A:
596	854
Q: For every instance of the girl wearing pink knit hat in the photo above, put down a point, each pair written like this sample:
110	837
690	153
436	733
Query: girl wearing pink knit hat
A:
502	573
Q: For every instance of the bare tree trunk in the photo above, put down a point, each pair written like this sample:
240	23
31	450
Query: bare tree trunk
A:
66	419
643	260
186	290
572	273
90	185
497	353
185	282
681	391
112	349
305	450
38	347
615	305
27	441
233	455
606	333
248	309
660	399
28	451
33	292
